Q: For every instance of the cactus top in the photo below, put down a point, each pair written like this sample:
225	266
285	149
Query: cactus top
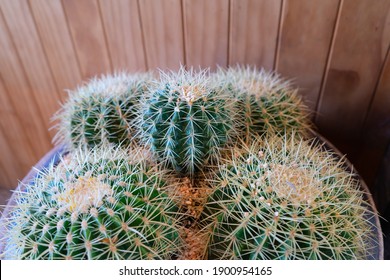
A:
185	120
100	204
101	111
284	198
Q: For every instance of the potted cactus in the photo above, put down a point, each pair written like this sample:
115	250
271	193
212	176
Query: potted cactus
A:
190	165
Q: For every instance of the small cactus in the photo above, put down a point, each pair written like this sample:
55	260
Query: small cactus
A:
286	199
186	122
101	111
264	102
96	205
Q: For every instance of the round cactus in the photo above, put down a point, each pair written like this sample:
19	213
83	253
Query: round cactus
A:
102	111
185	121
286	199
96	205
264	102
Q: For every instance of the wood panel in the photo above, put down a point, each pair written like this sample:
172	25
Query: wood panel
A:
206	28
7	171
14	134
163	33
32	56
375	136
253	32
355	64
306	31
56	40
124	37
16	153
88	35
21	96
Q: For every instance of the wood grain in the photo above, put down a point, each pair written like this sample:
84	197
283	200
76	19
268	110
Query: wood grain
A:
163	33
88	36
57	42
16	153
206	28
21	96
375	135
306	32
253	32
124	36
354	68
33	58
14	132
6	170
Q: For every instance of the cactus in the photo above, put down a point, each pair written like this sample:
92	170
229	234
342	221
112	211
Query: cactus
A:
96	205
284	198
185	122
265	103
101	111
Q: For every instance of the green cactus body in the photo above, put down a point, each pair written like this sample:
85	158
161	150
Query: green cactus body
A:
97	206
264	102
102	111
285	199
185	122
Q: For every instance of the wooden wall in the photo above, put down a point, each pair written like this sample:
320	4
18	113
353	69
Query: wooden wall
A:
336	50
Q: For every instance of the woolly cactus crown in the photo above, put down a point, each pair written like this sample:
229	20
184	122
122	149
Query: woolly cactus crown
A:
99	204
283	198
185	121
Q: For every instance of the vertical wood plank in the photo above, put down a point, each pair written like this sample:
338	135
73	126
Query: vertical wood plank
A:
375	136
206	25
306	32
354	67
124	36
16	153
57	42
253	32
14	133
27	41
7	171
163	33
21	95
88	36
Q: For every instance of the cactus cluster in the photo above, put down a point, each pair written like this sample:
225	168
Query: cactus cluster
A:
191	165
283	198
97	205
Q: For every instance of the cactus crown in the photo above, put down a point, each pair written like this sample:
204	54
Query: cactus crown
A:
103	110
99	204
286	199
185	121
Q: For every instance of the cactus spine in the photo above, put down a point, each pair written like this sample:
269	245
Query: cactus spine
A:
102	111
264	102
97	205
286	199
185	121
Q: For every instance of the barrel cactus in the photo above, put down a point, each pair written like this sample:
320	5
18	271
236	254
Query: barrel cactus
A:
99	204
285	199
102	111
265	103
185	121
